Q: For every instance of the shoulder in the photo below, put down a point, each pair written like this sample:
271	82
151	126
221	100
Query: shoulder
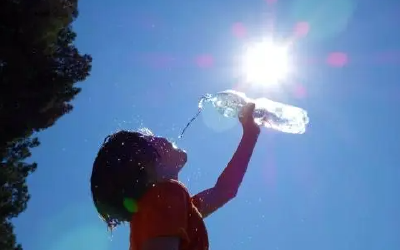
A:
171	186
171	192
162	212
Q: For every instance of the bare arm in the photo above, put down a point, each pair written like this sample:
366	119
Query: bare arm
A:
162	243
229	181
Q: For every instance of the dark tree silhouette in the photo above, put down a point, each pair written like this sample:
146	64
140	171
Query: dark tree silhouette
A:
39	67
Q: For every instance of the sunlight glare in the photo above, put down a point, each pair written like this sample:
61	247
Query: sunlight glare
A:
266	63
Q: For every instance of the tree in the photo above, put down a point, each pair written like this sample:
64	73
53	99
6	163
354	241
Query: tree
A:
39	67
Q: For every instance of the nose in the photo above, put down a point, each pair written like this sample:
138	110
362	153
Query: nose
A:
183	155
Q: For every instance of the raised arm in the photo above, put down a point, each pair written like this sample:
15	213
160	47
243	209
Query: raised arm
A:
229	181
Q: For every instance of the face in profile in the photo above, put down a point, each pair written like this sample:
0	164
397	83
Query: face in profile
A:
171	158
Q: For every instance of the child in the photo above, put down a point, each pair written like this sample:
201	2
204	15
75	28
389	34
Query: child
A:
135	179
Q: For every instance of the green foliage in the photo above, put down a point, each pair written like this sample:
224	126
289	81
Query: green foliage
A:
39	67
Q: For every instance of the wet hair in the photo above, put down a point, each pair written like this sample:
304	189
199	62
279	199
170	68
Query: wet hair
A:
119	177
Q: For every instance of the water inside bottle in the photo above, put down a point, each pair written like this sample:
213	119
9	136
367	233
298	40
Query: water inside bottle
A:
279	116
229	103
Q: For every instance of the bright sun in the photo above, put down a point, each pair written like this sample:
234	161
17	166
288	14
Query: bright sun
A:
266	63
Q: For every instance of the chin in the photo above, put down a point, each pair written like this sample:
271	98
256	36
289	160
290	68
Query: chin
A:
180	166
182	158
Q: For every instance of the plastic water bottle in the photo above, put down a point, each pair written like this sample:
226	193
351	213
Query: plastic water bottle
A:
267	113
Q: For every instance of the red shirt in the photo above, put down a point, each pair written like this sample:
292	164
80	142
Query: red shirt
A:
167	210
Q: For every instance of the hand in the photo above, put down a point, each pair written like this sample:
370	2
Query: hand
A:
247	120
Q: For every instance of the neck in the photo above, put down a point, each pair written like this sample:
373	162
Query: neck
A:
166	173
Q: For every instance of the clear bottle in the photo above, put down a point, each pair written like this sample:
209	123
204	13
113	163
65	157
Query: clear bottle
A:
267	113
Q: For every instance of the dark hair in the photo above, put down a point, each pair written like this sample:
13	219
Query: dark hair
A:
119	175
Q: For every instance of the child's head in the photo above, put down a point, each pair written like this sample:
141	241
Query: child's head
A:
127	164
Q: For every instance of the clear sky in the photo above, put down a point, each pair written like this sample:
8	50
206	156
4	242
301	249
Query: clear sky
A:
336	187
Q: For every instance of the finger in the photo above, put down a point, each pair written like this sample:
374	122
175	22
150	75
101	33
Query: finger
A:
250	107
243	113
248	110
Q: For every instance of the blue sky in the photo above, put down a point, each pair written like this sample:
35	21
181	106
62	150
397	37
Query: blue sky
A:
334	187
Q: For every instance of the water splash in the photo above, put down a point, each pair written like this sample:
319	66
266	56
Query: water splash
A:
203	99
